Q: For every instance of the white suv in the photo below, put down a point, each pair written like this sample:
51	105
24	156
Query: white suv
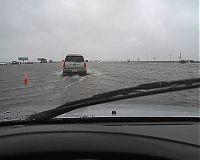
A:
74	64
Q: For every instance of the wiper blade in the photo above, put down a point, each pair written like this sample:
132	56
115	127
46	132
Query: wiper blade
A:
121	94
148	86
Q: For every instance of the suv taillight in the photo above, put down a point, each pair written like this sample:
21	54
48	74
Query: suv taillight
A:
85	65
63	64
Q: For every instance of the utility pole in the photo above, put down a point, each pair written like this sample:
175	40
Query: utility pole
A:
180	56
170	57
154	59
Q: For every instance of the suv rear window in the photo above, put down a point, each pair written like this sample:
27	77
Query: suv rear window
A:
74	59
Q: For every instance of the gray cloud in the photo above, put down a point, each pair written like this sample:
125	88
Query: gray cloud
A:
100	29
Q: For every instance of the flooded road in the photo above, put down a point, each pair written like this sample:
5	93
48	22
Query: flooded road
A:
47	88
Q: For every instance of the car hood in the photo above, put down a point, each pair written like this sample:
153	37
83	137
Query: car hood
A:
133	110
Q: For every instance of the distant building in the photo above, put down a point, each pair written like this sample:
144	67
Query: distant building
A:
42	60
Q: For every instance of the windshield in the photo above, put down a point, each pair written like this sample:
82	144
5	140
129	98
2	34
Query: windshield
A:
126	44
74	59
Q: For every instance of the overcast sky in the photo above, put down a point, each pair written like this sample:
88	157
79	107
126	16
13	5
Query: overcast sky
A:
99	29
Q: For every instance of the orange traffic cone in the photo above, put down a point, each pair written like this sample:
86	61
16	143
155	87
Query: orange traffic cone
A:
25	79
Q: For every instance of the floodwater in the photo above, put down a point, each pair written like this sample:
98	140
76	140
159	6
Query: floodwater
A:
47	88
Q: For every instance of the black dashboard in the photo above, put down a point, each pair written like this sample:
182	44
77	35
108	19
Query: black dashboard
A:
106	139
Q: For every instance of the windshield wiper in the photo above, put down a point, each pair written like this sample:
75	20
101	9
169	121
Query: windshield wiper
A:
121	94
